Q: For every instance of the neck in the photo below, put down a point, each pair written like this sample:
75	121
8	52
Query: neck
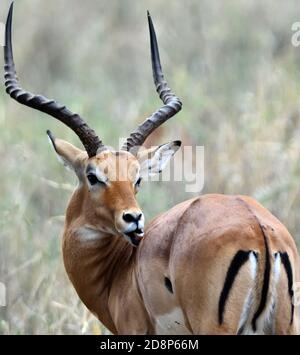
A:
97	263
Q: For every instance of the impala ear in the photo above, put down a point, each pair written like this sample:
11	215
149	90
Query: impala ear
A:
68	154
154	160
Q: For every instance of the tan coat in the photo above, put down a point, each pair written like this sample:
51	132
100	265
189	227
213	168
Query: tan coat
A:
192	245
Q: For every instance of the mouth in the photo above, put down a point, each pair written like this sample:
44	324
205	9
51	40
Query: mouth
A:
135	236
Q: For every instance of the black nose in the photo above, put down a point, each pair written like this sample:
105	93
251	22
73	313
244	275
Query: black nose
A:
132	217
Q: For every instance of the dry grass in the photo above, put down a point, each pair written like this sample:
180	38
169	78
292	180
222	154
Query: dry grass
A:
238	75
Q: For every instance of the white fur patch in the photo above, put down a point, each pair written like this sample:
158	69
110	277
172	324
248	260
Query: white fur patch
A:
277	267
100	175
266	319
171	323
87	234
250	297
253	265
265	324
162	156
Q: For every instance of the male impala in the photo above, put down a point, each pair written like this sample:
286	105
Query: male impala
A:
214	264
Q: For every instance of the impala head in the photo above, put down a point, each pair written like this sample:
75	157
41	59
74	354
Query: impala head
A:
111	178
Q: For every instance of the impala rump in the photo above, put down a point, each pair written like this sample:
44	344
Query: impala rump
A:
214	255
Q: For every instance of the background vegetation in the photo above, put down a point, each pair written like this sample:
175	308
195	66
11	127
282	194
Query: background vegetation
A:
231	62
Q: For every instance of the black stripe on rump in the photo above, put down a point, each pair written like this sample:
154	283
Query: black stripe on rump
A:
289	273
237	262
266	282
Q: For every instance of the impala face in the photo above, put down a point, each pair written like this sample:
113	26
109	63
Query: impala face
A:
112	180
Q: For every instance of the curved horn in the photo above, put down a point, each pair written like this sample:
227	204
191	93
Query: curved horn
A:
172	104
87	136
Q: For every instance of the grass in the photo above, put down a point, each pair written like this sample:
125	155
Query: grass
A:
238	75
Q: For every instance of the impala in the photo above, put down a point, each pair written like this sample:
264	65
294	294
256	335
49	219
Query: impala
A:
214	264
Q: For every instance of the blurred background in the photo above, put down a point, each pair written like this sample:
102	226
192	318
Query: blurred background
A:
238	75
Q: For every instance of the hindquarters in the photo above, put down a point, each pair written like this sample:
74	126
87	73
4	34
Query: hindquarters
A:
238	278
220	265
250	292
219	292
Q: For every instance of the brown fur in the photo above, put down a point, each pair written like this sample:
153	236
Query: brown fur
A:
192	244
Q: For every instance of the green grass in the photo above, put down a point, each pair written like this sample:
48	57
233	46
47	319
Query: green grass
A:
239	78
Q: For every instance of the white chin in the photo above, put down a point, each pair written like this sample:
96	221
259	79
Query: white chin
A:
134	238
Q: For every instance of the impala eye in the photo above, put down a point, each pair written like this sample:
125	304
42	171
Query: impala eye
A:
93	179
